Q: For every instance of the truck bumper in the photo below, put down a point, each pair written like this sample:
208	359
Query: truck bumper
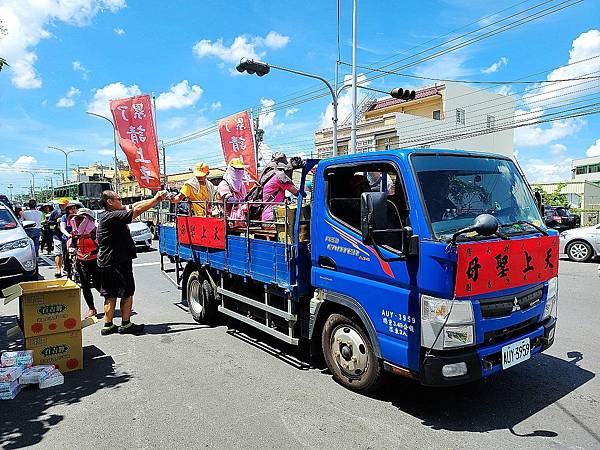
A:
481	362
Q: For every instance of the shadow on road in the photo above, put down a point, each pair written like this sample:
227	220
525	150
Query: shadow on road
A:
173	327
502	402
24	421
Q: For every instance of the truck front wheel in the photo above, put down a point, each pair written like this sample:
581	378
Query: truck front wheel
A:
349	354
201	299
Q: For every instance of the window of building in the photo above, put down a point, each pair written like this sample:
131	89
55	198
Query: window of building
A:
594	168
581	170
491	122
346	184
437	115
460	116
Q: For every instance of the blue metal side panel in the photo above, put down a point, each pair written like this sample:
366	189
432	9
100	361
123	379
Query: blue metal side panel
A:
168	240
185	252
282	267
201	255
216	258
262	262
237	255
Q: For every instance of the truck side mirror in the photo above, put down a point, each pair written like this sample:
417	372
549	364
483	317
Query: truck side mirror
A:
373	214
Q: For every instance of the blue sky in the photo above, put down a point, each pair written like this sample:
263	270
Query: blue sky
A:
68	57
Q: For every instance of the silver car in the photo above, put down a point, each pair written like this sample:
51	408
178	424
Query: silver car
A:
581	244
18	261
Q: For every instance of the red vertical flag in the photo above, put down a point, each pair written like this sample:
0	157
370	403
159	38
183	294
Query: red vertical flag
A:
237	141
137	137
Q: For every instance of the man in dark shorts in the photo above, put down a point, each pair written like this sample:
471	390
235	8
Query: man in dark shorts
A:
115	256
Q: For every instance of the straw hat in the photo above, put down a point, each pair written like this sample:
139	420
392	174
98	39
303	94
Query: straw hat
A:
201	169
237	163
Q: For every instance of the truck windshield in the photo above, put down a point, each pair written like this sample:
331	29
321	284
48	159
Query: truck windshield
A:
456	189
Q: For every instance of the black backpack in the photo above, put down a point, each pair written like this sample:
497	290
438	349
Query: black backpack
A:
256	194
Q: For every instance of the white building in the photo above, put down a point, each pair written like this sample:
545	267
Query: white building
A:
586	169
449	116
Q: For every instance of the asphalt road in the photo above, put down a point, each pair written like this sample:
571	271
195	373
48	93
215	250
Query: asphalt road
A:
183	385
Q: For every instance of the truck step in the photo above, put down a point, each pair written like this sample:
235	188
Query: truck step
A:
249	301
258	325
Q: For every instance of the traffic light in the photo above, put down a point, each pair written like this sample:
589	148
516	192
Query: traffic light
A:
403	94
253	67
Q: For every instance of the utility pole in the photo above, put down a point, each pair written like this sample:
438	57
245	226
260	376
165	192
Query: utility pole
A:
10	189
352	148
114	130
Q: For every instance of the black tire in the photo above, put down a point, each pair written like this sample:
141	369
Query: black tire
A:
369	376
201	299
579	251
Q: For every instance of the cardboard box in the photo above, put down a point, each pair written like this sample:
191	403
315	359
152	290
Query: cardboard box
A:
279	216
64	350
49	307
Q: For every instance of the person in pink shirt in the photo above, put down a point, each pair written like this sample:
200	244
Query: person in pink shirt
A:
274	189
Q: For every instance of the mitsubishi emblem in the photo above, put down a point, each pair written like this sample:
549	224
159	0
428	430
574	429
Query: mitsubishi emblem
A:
516	306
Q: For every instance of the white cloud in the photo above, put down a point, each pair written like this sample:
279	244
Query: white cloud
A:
106	152
24	162
102	96
173	124
28	24
504	90
119	31
586	45
451	65
272	40
67	101
291	111
78	67
216	106
496	66
266	116
594	149
558	149
344	102
243	46
537	135
179	96
542	170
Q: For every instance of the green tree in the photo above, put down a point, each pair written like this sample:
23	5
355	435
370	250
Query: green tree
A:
555	198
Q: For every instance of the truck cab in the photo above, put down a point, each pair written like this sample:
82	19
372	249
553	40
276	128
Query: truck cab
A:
433	265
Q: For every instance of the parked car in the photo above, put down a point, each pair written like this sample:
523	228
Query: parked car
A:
581	244
560	218
18	261
140	232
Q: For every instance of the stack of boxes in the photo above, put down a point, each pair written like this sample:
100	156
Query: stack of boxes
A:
50	320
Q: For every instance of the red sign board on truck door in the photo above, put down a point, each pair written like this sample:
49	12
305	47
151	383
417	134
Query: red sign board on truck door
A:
491	266
201	231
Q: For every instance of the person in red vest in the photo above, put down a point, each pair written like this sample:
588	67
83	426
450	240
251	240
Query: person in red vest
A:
84	243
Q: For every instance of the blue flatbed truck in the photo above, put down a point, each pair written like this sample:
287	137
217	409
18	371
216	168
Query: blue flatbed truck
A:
433	265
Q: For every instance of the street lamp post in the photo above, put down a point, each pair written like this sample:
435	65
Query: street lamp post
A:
10	188
112	124
66	153
262	68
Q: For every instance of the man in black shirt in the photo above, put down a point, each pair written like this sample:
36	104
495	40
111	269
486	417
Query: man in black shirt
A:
115	255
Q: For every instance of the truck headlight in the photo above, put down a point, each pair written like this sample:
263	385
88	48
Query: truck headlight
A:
456	315
13	245
551	297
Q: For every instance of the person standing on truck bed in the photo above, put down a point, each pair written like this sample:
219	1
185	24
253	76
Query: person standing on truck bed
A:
274	189
115	259
197	190
233	191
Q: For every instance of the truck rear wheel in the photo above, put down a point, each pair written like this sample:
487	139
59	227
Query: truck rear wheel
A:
201	299
349	354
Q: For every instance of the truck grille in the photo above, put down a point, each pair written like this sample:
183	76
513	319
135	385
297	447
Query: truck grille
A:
504	306
492	337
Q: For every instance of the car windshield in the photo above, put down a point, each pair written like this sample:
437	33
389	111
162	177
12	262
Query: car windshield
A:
562	212
7	220
456	189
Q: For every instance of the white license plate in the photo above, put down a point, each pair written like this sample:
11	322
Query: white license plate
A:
515	353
